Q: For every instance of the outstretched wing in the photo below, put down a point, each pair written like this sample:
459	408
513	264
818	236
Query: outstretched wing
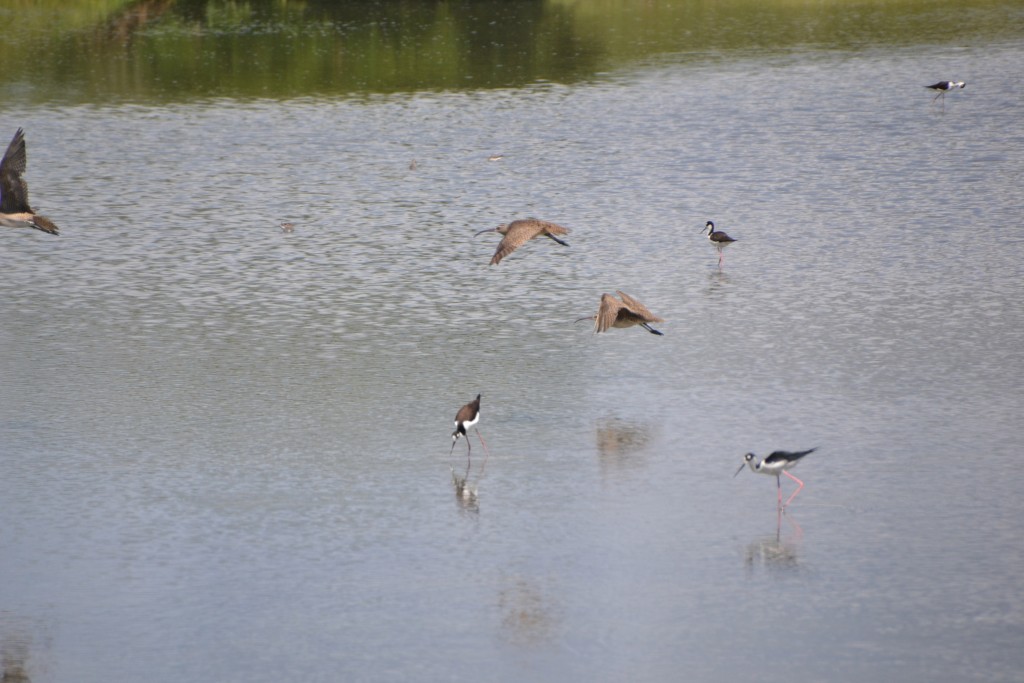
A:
607	313
638	309
518	234
13	188
538	226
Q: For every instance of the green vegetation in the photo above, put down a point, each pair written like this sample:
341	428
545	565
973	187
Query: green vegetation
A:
168	50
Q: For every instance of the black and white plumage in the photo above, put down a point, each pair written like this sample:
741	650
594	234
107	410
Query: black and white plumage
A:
942	87
467	417
718	238
776	464
15	211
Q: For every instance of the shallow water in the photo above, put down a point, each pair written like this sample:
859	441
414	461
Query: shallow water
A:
224	449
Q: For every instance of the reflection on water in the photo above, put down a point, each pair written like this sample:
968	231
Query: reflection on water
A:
159	50
24	650
776	553
466	494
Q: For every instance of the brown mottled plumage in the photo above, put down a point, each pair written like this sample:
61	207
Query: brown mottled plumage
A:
518	233
14	209
622	312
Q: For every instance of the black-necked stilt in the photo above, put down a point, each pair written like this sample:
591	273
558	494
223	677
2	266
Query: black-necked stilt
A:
14	209
467	417
942	87
622	312
518	233
775	465
717	238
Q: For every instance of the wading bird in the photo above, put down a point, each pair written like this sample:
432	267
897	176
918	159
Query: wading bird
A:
14	209
775	465
518	233
717	238
622	312
467	416
942	87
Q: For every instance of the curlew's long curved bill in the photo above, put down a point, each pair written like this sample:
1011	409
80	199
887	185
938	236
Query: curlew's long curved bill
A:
487	230
742	465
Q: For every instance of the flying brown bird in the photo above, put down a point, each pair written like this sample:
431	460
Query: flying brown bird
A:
622	312
14	209
518	233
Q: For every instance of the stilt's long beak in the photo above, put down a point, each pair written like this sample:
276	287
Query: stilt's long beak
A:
739	470
487	230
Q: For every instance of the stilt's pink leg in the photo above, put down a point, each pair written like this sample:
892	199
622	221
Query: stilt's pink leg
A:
487	453
801	485
778	485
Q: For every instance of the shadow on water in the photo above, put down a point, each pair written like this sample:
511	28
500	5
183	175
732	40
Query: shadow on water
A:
618	444
528	617
160	51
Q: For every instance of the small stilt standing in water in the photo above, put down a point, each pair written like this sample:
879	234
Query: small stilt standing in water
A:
518	233
717	238
467	416
942	87
775	465
14	209
622	312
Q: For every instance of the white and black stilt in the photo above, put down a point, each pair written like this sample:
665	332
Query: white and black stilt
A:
942	87
718	238
467	417
776	465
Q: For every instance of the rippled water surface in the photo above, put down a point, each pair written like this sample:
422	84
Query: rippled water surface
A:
224	450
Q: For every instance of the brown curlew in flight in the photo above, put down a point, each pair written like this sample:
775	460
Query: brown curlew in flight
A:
14	209
622	312
518	233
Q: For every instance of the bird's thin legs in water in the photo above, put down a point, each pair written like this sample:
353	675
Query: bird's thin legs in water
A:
790	499
487	452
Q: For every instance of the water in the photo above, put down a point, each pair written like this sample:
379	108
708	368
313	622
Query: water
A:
224	449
